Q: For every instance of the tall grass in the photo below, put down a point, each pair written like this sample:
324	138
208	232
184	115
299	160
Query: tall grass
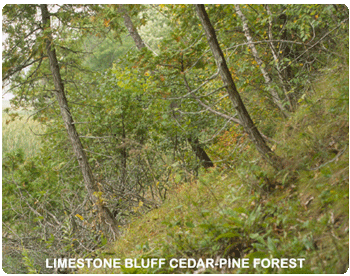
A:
20	133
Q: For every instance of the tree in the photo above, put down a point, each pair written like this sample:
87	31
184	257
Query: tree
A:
35	39
193	141
268	80
226	77
90	183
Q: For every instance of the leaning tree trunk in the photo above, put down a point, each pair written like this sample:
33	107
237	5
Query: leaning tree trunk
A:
235	98
131	28
200	153
268	80
90	184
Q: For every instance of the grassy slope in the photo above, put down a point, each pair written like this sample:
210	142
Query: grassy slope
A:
253	211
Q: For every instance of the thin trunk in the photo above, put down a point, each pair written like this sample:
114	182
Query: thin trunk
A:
131	28
123	156
200	153
283	81
90	184
235	98
268	80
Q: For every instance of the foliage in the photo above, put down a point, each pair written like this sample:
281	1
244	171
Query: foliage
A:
230	213
137	113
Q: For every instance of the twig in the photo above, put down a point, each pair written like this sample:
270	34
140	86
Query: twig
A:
332	160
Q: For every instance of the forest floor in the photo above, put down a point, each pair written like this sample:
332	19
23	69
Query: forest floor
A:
251	210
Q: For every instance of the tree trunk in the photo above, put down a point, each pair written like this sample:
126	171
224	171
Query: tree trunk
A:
124	156
90	184
283	81
234	96
131	28
200	153
268	80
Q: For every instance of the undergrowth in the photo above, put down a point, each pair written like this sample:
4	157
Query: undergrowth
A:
252	211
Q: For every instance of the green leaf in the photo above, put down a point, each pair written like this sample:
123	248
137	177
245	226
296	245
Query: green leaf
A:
38	218
103	241
271	244
227	235
258	238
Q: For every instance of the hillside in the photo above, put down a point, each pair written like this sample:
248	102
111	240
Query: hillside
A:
252	211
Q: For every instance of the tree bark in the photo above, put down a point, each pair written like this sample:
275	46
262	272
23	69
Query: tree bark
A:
131	28
124	156
234	96
283	81
268	80
90	184
200	153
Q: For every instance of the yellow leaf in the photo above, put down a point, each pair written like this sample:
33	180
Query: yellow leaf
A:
106	22
79	216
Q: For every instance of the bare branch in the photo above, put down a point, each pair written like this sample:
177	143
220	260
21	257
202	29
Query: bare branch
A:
230	118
